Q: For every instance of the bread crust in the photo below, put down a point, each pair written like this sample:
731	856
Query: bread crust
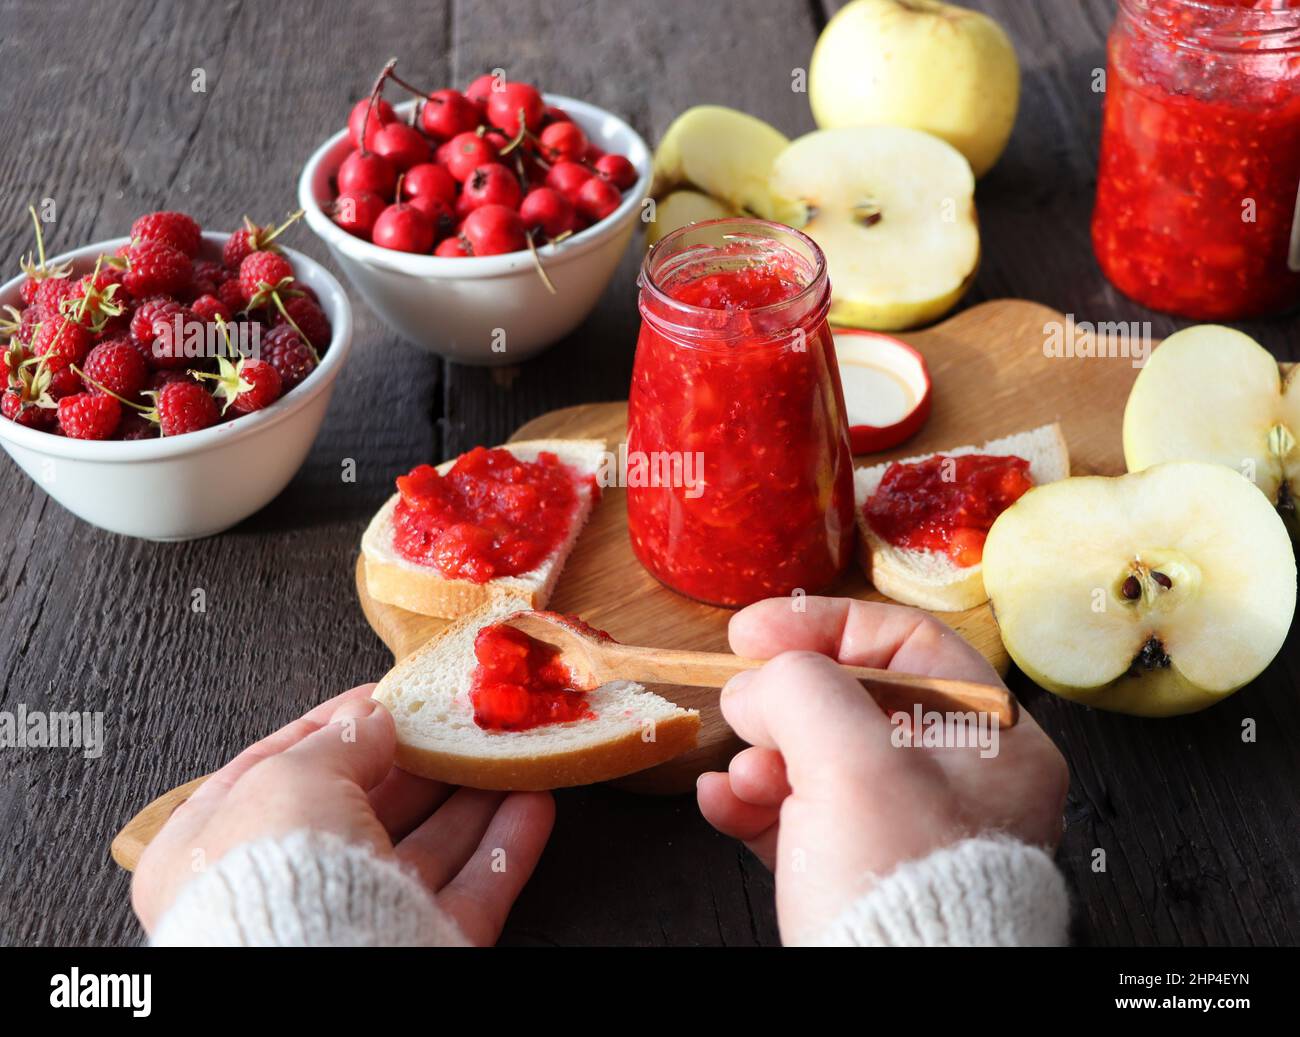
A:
615	758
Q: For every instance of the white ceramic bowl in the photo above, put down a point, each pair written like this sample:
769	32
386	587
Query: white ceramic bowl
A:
460	308
200	483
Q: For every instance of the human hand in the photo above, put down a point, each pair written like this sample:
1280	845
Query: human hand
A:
823	796
332	771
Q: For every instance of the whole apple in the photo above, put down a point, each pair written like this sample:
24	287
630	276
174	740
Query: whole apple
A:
920	63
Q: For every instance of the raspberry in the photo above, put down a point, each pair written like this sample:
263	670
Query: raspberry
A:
176	229
64	382
184	406
117	367
311	321
135	426
248	385
288	354
153	268
23	412
208	308
142	319
49	294
29	318
84	416
260	274
252	238
207	276
230	294
169	328
61	342
10	357
165	376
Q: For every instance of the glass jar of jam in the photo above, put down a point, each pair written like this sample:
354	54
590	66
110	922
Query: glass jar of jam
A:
739	476
1197	210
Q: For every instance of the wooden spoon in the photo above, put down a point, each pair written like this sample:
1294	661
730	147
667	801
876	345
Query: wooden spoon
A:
594	661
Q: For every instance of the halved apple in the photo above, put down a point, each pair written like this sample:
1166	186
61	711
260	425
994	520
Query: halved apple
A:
1210	393
1155	593
894	211
723	153
680	208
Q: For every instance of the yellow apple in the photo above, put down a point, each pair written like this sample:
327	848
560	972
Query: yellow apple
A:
1210	393
920	63
724	153
1155	593
680	208
893	209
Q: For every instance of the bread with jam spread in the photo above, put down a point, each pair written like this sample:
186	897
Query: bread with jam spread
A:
931	579
395	579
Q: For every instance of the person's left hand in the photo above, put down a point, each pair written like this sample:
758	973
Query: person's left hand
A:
332	771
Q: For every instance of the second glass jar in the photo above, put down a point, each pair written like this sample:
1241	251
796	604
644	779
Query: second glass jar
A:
740	479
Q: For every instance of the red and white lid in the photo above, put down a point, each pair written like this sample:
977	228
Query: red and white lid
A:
886	389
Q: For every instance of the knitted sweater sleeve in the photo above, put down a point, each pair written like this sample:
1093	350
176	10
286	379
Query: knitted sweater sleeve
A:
985	892
305	889
314	889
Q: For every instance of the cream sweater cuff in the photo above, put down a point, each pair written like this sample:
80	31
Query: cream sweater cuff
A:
983	892
305	889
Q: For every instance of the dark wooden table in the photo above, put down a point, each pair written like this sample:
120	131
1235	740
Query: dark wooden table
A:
1199	831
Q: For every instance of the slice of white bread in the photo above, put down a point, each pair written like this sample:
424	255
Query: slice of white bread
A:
419	588
428	695
930	579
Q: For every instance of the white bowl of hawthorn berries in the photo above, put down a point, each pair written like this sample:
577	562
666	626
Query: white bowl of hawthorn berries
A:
495	245
159	443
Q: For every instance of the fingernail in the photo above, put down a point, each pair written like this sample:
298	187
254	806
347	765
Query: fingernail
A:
357	709
737	683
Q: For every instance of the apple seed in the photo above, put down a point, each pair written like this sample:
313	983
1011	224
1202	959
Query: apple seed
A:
1131	588
1162	579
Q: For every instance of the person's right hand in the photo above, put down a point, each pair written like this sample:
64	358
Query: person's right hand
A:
823	796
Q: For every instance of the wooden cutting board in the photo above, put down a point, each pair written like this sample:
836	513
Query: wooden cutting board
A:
991	378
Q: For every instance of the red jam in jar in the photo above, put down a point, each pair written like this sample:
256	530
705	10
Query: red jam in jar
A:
490	515
1197	211
736	386
946	504
519	683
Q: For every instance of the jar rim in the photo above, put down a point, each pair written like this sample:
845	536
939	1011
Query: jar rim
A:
816	280
1241	29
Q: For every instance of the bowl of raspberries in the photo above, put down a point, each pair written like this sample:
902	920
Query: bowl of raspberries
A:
481	225
168	384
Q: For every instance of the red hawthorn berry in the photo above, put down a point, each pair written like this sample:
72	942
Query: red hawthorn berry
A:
547	209
449	112
563	140
490	184
617	170
513	102
381	115
356	211
597	198
404	146
492	230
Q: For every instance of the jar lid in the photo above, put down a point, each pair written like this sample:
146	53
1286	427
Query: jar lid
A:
886	389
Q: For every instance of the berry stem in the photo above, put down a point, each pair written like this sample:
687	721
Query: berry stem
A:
537	261
375	91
